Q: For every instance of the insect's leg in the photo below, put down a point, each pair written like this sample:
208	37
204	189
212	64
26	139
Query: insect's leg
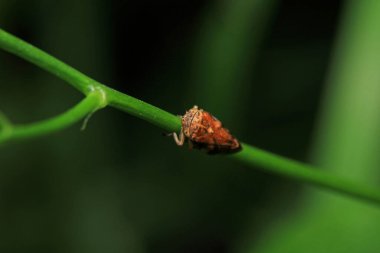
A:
190	145
179	140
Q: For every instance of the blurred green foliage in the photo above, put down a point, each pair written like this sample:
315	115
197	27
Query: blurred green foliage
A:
258	65
347	142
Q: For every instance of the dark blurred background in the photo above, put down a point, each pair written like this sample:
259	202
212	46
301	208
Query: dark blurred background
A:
120	186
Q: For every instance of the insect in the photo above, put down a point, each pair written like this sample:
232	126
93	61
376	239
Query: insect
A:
204	131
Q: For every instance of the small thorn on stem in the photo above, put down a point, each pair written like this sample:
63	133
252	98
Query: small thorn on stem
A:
85	121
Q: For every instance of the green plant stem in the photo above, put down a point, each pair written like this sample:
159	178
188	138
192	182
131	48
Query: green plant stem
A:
295	170
250	156
34	55
86	84
86	107
143	110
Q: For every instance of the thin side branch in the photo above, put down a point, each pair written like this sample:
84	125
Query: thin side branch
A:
93	102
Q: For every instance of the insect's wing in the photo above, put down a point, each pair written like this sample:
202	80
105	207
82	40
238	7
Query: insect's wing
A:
212	136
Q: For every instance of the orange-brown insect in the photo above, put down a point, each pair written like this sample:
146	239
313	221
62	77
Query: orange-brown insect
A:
204	131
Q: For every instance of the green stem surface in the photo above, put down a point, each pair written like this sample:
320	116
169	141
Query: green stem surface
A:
301	172
104	95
